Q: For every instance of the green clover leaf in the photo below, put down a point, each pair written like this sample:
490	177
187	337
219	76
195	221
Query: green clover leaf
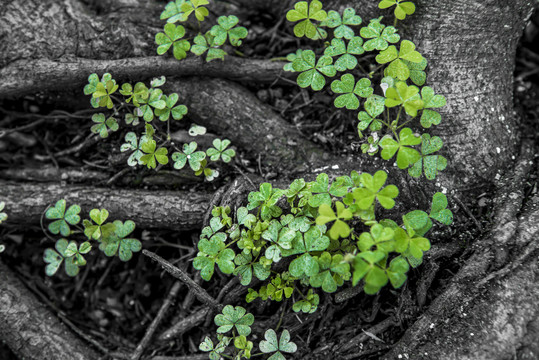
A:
307	305
139	94
430	117
417	71
266	198
177	112
407	241
397	67
99	230
401	10
341	26
195	6
132	144
65	251
374	106
102	93
290	58
173	12
311	71
406	156
372	190
439	211
214	352
172	37
212	251
153	156
320	188
428	163
271	345
219	151
379	35
90	88
339	228
366	266
380	237
350	90
419	221
226	28
333	271
189	155
307	13
3	215
398	267
206	43
245	268
64	218
118	244
346	60
404	95
234	317
102	127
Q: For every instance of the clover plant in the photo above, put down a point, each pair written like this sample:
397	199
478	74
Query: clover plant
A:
150	109
77	240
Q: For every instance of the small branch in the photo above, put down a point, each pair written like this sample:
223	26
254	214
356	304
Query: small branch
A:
179	274
185	325
155	323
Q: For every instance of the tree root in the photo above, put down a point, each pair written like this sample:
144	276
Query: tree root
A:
175	210
30	329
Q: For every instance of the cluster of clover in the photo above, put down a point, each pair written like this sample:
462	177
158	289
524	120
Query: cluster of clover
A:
141	102
328	231
113	237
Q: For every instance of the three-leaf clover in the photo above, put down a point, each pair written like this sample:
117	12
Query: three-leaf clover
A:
214	351
430	100
350	90
118	244
307	305
439	209
406	156
71	216
379	35
366	267
220	151
3	215
203	43
341	25
267	199
374	106
397	68
139	94
226	28
307	13
245	268
189	155
339	228
234	317
173	12
372	189
213	251
173	37
346	60
68	253
402	9
404	95
153	156
102	126
271	345
177	112
311	71
103	91
132	144
99	230
406	241
195	6
333	271
428	163
379	236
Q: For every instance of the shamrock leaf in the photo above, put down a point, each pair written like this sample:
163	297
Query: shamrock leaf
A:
212	251
206	43
312	71
406	156
408	242
234	317
102	93
195	158
102	127
418	220
307	13
397	68
215	352
374	106
246	267
339	228
342	30
404	95
271	345
417	71
290	58
195	6
3	215
430	117
366	266
226	28
401	10
379	35
439	211
153	156
372	189
71	216
118	244
333	271
219	151
173	12
132	144
350	90
68	253
139	94
429	163
177	112
381	237
397	271
99	230
266	198
309	304
90	88
346	60
173	37
320	188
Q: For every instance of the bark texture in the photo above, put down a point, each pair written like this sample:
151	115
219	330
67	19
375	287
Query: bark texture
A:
30	329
